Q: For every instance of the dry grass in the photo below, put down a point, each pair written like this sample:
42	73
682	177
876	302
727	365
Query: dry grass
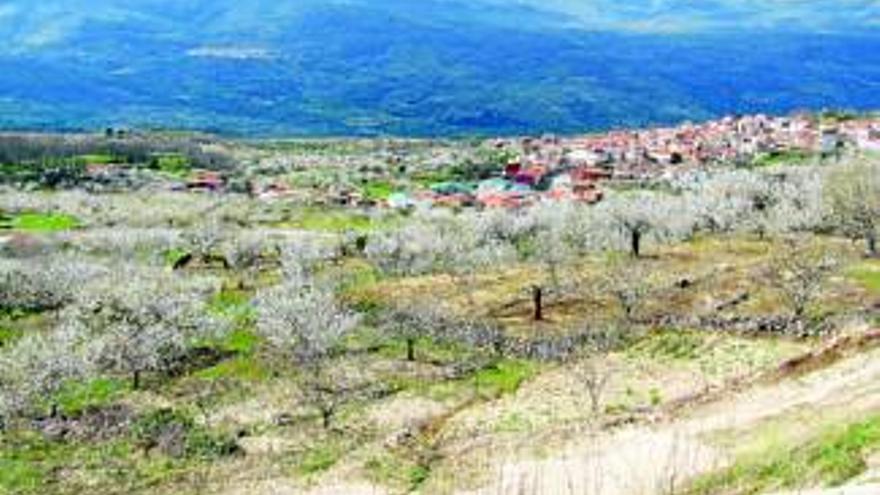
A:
718	269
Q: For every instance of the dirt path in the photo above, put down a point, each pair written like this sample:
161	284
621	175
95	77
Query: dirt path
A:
652	459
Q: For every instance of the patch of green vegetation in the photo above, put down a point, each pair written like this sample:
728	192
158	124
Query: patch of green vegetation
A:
40	222
19	476
242	341
359	277
504	377
319	459
427	179
172	164
30	464
780	158
9	336
830	459
378	190
172	256
670	344
232	303
26	460
387	469
426	349
335	221
244	368
196	441
867	274
77	397
97	159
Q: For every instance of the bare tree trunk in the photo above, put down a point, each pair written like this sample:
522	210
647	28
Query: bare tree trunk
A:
136	380
636	243
410	349
538	301
326	417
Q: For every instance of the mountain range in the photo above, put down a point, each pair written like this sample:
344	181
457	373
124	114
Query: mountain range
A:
428	67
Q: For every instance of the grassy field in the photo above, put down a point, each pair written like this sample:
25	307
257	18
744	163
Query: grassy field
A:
829	459
39	222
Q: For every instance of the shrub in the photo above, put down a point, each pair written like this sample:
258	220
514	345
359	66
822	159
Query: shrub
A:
175	434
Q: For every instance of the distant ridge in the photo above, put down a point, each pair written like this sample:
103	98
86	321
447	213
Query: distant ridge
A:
438	68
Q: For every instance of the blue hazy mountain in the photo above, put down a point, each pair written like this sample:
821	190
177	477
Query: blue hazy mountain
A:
319	67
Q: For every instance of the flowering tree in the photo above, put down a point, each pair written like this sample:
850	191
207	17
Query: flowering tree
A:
853	191
640	215
44	284
134	323
303	322
410	323
35	369
407	251
799	272
629	283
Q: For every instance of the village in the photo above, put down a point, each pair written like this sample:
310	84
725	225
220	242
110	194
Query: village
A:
552	168
518	171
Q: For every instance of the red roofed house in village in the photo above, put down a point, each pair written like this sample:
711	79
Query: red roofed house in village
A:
585	183
512	169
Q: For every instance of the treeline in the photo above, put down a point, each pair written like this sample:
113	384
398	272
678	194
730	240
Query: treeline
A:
28	156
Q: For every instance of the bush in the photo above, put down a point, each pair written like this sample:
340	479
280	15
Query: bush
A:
175	434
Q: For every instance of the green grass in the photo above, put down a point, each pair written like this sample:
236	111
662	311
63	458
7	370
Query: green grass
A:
97	159
793	157
242	341
867	274
669	344
426	349
244	368
505	377
233	304
338	221
491	382
833	457
378	190
172	164
9	336
40	222
172	256
30	465
198	442
77	397
319	459
387	469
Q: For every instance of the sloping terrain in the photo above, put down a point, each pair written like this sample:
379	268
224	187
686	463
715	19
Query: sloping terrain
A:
660	457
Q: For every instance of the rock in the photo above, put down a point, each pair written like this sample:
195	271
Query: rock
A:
283	419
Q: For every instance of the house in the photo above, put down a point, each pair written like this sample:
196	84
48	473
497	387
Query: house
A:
830	140
205	182
512	169
399	201
531	176
587	193
275	190
590	174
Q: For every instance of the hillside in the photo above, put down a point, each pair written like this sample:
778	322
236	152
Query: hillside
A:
442	67
184	314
